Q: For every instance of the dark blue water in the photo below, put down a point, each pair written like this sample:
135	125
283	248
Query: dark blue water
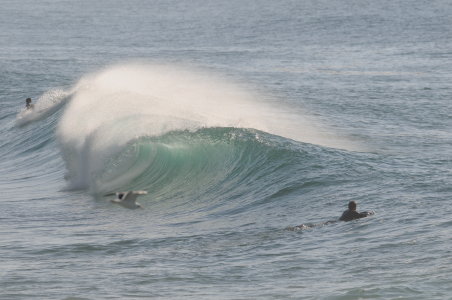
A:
241	120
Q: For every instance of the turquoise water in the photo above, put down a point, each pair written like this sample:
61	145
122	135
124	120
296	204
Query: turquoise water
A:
241	120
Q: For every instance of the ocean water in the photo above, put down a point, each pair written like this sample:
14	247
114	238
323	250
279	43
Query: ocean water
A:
242	120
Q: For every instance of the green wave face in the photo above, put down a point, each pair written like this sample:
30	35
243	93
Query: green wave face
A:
209	161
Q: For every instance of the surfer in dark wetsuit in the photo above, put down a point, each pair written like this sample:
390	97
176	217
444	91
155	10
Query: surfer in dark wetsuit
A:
352	214
28	104
348	215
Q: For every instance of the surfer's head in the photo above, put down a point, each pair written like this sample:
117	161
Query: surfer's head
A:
28	100
352	205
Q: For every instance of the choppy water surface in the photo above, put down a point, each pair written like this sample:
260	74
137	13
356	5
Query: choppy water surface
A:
241	120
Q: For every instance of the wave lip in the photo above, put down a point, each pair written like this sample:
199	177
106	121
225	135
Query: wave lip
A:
113	108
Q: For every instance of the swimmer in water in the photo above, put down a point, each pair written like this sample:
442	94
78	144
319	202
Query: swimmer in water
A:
352	214
28	104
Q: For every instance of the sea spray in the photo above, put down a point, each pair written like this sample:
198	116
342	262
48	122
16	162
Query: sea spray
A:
122	103
47	104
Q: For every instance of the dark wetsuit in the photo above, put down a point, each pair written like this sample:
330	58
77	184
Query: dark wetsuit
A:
349	215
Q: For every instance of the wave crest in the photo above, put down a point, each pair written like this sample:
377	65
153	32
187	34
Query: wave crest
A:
112	109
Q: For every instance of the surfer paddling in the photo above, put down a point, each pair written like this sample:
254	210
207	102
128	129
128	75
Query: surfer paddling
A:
28	104
348	215
352	214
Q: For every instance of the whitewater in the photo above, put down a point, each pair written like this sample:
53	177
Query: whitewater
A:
251	125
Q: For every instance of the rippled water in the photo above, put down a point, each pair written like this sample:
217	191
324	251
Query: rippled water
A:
241	120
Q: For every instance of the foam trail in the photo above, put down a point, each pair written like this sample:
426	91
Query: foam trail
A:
44	106
124	102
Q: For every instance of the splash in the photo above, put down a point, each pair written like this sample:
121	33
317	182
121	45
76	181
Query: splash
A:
46	105
115	106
